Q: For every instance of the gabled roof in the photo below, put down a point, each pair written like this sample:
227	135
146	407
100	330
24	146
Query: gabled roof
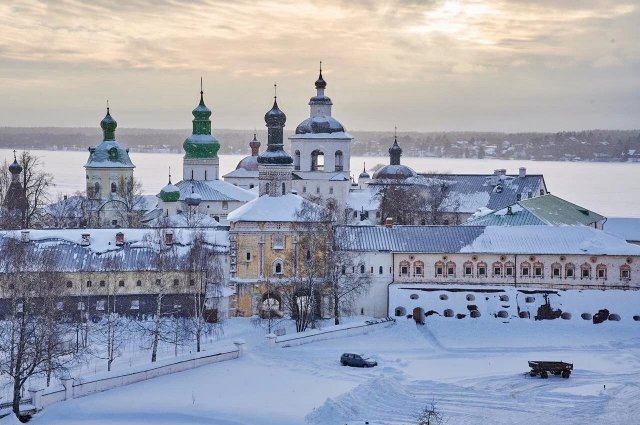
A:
285	208
214	190
468	192
542	210
578	240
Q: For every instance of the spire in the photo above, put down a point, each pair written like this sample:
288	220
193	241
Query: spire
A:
108	125
275	120
395	151
201	144
321	84
169	174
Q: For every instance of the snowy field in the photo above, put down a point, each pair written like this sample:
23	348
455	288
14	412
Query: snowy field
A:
472	369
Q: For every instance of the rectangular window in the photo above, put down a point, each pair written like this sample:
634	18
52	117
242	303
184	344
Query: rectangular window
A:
192	282
81	306
525	272
121	284
496	271
135	304
404	270
601	274
331	190
556	272
176	282
538	271
88	284
569	272
277	242
585	273
100	305
450	271
158	281
59	305
439	271
225	205
418	271
139	283
482	271
509	271
467	271
102	283
625	274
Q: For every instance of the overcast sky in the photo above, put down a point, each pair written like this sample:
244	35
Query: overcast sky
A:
542	65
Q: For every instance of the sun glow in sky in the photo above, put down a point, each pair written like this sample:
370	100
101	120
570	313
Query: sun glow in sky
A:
510	65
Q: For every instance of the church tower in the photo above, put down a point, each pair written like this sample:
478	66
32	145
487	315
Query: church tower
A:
275	164
15	200
201	148
109	165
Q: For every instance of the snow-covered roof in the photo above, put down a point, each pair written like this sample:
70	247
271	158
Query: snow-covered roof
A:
363	199
109	154
627	228
102	252
214	190
542	210
242	172
479	239
468	192
286	208
328	176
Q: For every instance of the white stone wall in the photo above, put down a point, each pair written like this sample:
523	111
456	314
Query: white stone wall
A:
203	169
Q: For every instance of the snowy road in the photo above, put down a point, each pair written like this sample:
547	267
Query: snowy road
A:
473	370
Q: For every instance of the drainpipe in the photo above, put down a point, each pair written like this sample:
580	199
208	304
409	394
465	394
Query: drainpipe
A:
393	277
515	270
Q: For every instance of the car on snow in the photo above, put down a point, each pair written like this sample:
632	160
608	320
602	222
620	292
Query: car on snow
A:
356	360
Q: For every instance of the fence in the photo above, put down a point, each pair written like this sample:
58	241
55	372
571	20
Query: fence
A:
330	332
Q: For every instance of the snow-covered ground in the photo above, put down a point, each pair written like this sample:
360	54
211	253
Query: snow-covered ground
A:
472	369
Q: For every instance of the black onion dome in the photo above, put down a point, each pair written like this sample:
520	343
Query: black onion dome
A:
320	82
15	168
394	172
108	123
319	125
395	149
275	117
364	174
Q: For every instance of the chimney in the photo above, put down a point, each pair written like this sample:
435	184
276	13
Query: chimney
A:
24	236
522	172
119	239
168	237
86	239
388	222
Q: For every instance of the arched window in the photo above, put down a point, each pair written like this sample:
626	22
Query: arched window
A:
585	271
248	256
338	161
317	160
482	269
556	271
404	268
439	268
284	189
497	269
308	254
538	269
114	187
418	268
361	268
509	268
625	272
601	271
380	270
266	188
96	190
451	269
525	269
468	269
296	161
277	267
570	271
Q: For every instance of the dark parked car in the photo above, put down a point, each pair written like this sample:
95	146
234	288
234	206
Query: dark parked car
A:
356	360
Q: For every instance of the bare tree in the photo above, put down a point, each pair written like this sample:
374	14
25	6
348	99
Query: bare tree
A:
403	203
203	267
430	415
32	340
36	184
131	202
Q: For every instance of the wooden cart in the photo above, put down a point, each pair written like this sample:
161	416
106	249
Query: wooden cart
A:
544	368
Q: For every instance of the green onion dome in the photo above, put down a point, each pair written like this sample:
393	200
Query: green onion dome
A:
170	193
201	144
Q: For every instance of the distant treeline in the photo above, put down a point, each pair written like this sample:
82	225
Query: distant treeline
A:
589	145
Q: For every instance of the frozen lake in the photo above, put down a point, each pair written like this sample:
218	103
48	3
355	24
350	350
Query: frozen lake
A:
611	189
